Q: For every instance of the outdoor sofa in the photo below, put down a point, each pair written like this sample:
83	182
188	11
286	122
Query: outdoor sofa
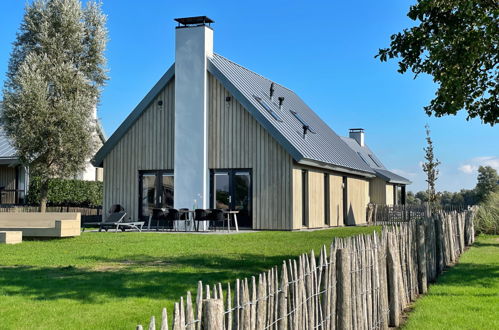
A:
36	224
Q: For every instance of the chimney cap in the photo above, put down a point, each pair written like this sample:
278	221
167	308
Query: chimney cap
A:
356	130
194	21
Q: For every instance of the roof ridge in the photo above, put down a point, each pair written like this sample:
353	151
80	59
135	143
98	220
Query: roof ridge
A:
253	72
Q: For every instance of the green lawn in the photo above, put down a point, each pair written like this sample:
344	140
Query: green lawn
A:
466	296
115	281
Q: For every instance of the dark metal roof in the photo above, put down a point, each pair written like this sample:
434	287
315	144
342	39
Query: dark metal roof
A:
365	153
7	151
391	177
195	20
321	146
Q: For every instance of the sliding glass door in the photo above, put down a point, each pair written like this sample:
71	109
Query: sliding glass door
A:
155	191
231	190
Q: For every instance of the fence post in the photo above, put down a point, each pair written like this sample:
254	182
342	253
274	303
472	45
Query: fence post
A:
421	248
393	269
213	314
344	311
440	243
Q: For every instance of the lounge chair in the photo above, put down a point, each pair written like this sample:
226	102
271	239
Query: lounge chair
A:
117	220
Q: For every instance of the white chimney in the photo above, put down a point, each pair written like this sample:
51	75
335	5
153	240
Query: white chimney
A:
357	134
193	45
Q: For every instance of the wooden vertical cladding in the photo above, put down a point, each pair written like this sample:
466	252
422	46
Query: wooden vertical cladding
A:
316	218
389	194
148	145
316	198
377	191
237	140
358	198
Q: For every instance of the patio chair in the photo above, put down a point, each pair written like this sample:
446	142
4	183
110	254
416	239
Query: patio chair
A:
115	220
200	215
118	220
216	216
160	215
173	215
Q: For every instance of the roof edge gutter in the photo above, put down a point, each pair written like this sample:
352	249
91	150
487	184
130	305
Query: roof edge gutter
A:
310	162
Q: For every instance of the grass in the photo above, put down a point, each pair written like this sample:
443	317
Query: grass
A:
116	281
466	296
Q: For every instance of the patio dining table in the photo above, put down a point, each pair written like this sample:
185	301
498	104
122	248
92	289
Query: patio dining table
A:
234	214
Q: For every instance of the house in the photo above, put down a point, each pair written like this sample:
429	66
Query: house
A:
387	188
14	177
213	134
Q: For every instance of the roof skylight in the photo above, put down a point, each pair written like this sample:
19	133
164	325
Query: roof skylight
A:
302	121
267	107
374	161
362	156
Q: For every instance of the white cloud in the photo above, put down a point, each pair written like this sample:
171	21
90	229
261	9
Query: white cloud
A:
473	164
467	168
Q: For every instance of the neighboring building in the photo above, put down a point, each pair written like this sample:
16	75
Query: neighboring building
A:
212	133
14	178
388	187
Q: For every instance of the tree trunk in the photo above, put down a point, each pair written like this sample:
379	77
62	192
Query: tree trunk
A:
44	189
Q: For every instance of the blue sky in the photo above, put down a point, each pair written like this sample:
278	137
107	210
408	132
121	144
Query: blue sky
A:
323	50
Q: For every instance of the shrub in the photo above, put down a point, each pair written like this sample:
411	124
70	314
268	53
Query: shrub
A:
68	192
487	217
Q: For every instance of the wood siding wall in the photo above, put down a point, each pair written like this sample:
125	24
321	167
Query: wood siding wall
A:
377	191
148	145
237	140
316	208
358	198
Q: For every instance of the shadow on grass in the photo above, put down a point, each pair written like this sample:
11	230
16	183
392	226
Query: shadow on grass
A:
468	274
483	244
140	276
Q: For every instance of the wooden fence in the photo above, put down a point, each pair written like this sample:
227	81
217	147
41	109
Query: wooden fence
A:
359	282
88	214
393	214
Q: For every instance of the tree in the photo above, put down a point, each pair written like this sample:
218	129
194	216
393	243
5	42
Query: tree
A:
55	75
446	198
469	196
456	42
411	199
458	199
422	196
488	182
430	167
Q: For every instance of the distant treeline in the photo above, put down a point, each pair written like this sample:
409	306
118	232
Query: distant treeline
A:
487	183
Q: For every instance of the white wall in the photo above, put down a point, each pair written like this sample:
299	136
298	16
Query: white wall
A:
192	46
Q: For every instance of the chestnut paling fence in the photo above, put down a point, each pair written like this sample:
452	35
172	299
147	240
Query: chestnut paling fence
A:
88	214
359	282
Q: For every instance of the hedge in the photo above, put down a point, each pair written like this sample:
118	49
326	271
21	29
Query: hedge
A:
68	192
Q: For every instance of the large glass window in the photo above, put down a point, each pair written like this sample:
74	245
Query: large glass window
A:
156	189
231	190
304	197
326	199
